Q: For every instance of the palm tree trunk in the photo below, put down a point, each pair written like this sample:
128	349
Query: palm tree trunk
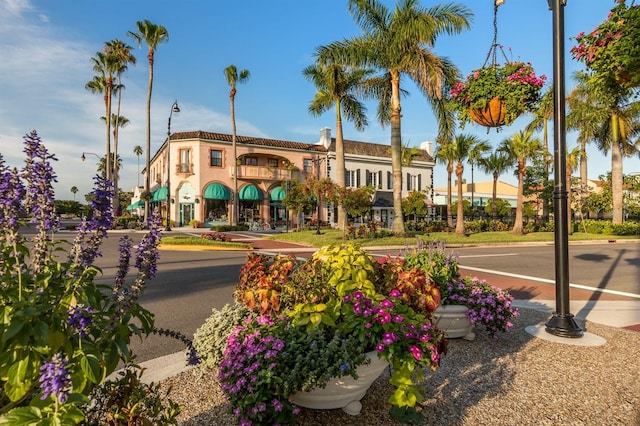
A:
147	183
568	184
236	201
517	224
460	212
616	170
449	194
397	226
494	208
340	177
545	181
116	134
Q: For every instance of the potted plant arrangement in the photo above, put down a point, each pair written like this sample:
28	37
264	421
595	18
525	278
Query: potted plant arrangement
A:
481	303
495	95
311	322
612	50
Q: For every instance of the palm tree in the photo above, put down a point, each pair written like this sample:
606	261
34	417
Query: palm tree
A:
74	190
462	147
121	54
541	117
573	159
338	86
612	118
233	78
519	148
446	154
496	164
152	35
137	150
399	43
476	153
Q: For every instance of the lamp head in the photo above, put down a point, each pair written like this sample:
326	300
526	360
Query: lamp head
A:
83	157
175	107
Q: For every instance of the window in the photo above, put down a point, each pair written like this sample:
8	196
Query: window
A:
185	161
307	165
374	179
250	161
414	182
272	162
389	180
352	178
215	158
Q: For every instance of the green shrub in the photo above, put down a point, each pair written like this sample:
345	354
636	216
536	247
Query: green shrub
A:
594	226
627	228
228	228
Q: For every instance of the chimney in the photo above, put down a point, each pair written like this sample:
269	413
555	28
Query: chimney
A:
427	146
325	137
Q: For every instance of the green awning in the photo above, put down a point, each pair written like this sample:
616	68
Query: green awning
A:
159	195
137	205
250	193
216	191
277	194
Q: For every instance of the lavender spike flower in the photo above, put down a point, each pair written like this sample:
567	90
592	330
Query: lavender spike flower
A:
80	318
55	379
124	248
39	176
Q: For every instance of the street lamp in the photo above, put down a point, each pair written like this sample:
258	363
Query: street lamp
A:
174	108
84	158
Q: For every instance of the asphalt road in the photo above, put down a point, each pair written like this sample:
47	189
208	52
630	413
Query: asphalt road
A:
190	283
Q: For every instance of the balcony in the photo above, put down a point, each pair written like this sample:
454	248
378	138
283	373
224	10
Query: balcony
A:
184	168
262	172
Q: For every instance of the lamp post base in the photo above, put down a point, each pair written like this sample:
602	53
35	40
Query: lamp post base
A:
563	325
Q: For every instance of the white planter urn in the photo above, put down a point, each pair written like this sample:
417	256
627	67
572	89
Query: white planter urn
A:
454	322
343	392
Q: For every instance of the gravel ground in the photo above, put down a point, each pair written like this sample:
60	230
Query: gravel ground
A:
516	379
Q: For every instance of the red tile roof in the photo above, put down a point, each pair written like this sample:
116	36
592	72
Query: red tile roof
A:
248	140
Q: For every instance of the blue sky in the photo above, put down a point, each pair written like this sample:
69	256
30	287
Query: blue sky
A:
46	48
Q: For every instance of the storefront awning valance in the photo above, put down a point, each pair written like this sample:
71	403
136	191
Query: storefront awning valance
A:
137	205
250	193
159	195
277	194
216	191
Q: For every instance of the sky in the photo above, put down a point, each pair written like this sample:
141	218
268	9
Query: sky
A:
46	47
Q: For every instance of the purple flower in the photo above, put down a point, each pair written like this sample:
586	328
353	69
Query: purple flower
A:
395	293
80	318
55	379
386	303
416	352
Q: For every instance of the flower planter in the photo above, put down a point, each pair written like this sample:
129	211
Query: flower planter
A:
452	319
343	392
491	116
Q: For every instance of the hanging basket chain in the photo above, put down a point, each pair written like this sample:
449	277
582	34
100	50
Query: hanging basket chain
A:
493	50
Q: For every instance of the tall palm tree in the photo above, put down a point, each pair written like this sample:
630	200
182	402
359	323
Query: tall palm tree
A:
153	35
137	150
611	115
104	66
74	190
462	147
476	153
338	86
446	154
573	159
233	79
541	117
121	54
496	164
519	148
398	43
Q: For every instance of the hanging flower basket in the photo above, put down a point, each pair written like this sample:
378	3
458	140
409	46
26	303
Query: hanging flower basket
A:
495	96
612	51
492	115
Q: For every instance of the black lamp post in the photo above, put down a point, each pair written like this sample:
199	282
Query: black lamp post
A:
174	108
562	322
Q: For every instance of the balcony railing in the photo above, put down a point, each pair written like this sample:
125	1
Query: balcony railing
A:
262	172
184	168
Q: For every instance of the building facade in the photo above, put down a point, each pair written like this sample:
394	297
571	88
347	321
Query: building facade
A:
202	187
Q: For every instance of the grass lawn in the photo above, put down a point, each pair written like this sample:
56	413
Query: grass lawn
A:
185	240
332	236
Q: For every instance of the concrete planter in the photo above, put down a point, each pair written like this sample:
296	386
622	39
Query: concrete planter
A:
454	322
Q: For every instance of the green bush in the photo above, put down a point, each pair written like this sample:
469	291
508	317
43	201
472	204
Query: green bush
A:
594	226
627	228
228	228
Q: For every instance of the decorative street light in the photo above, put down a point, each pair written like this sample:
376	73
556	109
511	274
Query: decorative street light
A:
174	108
84	158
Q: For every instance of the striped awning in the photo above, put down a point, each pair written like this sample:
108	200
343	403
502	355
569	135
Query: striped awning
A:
216	191
250	193
277	194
